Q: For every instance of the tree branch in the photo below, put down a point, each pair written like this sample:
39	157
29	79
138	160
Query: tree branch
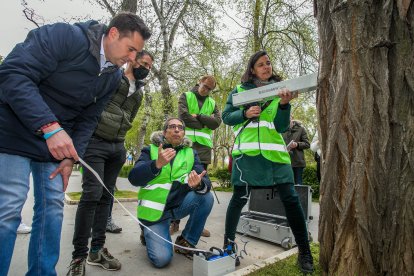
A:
105	4
177	22
31	15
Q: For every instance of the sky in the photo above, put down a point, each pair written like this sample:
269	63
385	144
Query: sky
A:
14	26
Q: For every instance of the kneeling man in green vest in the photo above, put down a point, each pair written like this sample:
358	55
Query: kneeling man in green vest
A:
174	185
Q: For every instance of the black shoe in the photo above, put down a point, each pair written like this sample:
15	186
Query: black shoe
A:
77	267
230	247
103	259
305	261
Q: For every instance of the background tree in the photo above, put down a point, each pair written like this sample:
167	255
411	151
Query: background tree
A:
366	112
190	39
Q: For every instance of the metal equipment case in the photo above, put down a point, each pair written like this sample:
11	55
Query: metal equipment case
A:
266	217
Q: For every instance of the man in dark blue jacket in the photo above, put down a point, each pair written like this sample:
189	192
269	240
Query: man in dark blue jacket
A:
53	87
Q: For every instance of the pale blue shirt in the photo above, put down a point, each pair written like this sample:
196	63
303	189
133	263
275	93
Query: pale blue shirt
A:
104	63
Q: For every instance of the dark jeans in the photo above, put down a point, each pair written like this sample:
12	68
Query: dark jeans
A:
297	174
293	209
106	159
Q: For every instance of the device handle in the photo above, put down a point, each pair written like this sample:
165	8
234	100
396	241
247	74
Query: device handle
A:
219	250
254	228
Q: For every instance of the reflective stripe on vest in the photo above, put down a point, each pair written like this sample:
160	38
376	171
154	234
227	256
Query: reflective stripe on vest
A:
202	136
261	137
152	205
166	186
269	125
153	197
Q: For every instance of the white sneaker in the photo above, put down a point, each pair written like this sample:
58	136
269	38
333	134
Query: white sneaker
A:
23	229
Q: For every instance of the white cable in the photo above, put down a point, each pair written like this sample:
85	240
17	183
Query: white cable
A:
134	217
246	196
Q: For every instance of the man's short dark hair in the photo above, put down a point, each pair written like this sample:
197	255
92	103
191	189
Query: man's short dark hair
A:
167	122
127	23
145	53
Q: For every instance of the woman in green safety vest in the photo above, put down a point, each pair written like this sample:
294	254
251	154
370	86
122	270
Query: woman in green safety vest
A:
260	157
174	185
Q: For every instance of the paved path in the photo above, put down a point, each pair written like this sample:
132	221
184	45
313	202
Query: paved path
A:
126	246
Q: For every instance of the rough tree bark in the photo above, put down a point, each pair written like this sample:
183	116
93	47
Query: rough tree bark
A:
169	25
366	112
147	116
256	24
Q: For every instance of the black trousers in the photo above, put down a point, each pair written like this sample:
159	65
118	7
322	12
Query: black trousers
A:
107	159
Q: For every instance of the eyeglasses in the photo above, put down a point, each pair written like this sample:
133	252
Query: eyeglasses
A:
179	127
207	87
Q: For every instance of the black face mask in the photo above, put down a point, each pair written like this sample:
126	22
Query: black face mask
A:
140	73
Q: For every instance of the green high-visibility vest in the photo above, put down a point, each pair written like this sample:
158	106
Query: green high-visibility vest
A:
153	197
261	137
202	136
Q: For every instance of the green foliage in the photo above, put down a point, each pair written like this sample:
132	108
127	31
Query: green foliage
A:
288	266
223	177
125	170
309	178
118	194
223	189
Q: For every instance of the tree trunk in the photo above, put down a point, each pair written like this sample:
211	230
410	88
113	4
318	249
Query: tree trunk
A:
145	121
167	98
256	23
129	5
366	111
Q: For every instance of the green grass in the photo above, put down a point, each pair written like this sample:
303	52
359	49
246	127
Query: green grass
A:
223	189
118	194
288	266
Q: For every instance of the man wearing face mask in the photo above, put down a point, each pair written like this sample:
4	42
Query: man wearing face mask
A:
106	154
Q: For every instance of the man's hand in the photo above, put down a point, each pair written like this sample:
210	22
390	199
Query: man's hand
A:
253	112
194	178
164	156
60	144
65	170
194	115
294	145
286	96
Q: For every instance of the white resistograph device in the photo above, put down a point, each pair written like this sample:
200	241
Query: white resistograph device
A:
264	93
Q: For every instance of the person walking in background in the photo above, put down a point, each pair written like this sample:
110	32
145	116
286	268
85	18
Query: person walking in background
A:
315	147
53	87
106	154
201	116
260	157
297	141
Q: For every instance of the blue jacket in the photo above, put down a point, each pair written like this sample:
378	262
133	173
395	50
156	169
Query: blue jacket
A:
54	75
145	170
